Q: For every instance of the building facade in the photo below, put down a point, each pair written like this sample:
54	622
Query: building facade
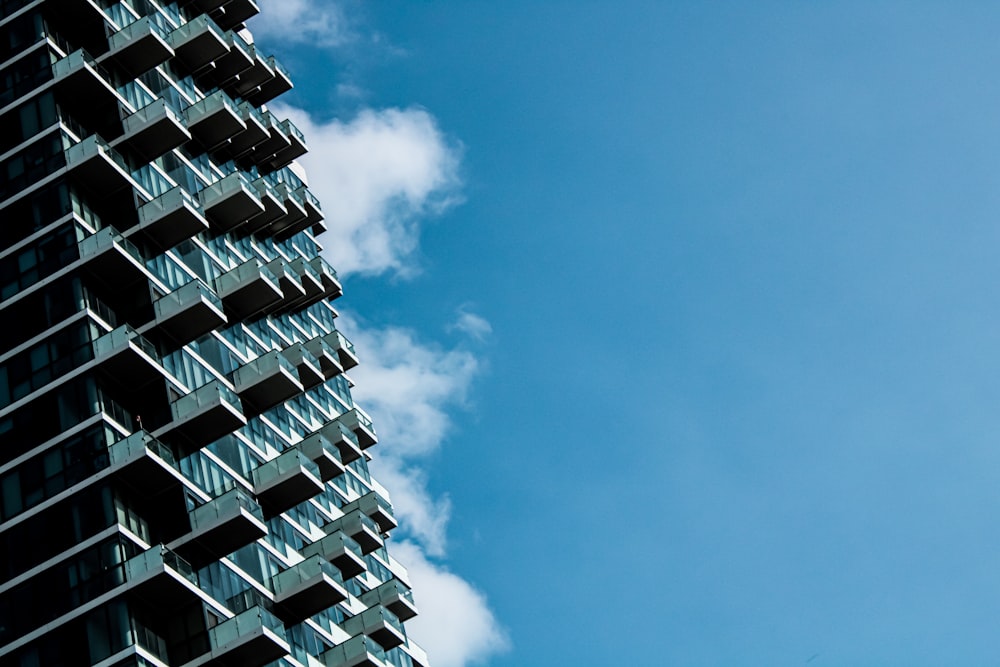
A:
183	471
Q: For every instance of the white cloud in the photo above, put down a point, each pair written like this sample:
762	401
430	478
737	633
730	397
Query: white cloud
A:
424	518
472	325
455	625
410	387
321	24
377	176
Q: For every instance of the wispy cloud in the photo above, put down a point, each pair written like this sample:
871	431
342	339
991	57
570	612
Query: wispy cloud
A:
378	176
411	387
455	624
322	24
472	325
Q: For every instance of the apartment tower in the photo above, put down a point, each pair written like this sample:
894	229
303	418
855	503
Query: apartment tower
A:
183	472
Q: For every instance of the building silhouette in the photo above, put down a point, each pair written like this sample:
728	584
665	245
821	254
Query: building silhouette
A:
183	471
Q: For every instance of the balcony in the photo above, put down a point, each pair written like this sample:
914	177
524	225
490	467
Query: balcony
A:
94	163
154	129
312	282
214	119
198	43
357	651
313	208
378	623
339	549
274	209
230	202
296	147
296	219
276	140
237	60
172	217
205	415
285	481
162	578
279	83
232	13
394	596
253	638
125	355
376	507
341	437
139	47
359	527
417	655
329	360
80	77
112	257
256	132
310	373
144	463
358	422
291	287
189	312
321	451
266	381
331	282
307	589
250	80
249	288
221	526
345	350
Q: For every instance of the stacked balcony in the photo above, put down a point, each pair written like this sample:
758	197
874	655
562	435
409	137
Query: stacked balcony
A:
378	623
394	596
248	288
139	46
359	527
375	507
161	577
144	463
359	651
80	77
344	439
123	353
306	589
171	218
361	425
251	639
221	526
204	415
339	549
267	381
153	130
308	366
285	481
189	312
95	164
150	471
198	43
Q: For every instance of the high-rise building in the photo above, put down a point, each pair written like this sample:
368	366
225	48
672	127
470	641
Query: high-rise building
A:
183	471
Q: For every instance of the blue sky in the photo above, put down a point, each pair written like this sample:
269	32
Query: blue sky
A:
679	320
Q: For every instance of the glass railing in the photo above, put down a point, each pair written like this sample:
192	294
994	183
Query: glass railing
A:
156	558
310	568
275	469
135	30
199	24
139	443
184	296
95	244
120	338
210	394
91	146
246	623
226	504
